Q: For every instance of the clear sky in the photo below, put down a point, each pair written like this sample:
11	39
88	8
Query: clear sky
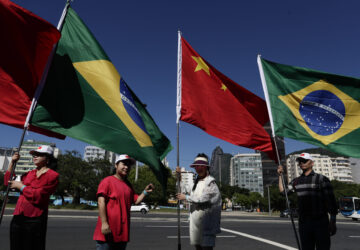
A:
140	37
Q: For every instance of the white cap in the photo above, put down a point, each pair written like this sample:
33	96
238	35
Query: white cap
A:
123	158
305	156
43	149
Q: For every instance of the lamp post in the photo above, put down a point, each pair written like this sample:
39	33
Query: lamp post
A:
220	154
268	188
136	171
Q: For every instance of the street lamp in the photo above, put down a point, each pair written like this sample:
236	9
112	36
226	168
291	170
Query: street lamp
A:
219	154
268	188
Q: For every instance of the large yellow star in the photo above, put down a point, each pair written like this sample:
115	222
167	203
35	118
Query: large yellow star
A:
223	87
201	65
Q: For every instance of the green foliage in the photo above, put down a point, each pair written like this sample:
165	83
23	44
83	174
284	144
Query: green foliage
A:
145	177
100	169
228	191
277	199
241	199
2	187
80	179
343	189
76	175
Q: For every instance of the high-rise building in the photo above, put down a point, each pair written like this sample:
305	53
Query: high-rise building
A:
5	158
187	181
25	162
333	167
93	152
246	172
220	166
269	166
355	169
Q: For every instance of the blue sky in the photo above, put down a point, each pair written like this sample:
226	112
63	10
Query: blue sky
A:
140	37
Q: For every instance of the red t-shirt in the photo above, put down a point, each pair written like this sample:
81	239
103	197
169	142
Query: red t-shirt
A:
118	197
34	199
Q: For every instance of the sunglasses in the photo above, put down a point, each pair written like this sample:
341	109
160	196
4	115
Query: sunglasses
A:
301	160
38	155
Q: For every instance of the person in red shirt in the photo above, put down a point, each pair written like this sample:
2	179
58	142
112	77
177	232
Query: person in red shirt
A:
29	223
115	197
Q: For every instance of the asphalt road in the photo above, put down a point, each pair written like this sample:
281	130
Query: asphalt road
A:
74	230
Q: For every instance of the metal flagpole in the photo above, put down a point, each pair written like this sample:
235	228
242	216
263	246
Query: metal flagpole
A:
268	189
178	176
286	196
178	109
33	105
266	93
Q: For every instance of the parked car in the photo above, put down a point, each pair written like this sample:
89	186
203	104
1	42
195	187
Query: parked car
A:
286	213
142	207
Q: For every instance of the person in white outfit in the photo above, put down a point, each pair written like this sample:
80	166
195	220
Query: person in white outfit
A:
205	206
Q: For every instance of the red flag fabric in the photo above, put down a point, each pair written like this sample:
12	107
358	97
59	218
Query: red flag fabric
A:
219	106
25	45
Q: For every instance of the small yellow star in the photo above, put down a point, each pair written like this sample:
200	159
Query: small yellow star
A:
223	87
201	65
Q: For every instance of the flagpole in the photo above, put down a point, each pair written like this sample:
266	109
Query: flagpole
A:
33	105
267	98
47	68
178	109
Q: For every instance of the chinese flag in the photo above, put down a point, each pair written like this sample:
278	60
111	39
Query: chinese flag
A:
219	106
25	45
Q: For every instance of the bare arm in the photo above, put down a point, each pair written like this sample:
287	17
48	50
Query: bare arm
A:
14	159
280	171
105	228
148	189
9	179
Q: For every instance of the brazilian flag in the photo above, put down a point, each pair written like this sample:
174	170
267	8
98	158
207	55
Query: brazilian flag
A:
315	107
86	98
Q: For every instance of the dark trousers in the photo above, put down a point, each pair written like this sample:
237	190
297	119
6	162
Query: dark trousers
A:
101	245
28	233
314	232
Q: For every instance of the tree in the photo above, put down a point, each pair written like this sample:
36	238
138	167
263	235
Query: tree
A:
342	189
2	187
146	176
75	175
256	199
101	168
277	199
242	199
228	191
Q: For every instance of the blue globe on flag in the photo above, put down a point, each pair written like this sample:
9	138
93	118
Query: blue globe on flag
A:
323	112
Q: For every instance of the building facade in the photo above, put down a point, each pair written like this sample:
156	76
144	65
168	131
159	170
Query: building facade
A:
246	172
220	166
269	166
335	168
187	181
25	162
5	158
355	169
93	152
